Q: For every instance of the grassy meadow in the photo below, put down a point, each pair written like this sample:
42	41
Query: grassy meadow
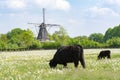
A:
33	65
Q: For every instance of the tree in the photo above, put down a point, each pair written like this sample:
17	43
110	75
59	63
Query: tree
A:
55	36
14	36
3	37
98	37
26	38
114	42
14	33
20	38
36	44
3	41
3	45
86	42
61	36
108	34
115	32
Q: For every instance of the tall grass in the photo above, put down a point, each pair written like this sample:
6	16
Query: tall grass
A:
33	65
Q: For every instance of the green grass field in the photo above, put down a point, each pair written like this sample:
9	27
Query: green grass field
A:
33	65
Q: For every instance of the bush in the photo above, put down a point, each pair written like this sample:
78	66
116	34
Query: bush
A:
114	42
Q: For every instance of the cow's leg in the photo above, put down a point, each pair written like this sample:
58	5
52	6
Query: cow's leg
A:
108	57
65	65
76	63
82	62
104	57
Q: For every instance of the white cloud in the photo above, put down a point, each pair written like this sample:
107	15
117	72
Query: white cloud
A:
55	4
15	4
113	2
62	4
21	4
72	21
96	11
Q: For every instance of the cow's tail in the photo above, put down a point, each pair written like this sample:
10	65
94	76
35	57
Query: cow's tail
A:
81	57
81	49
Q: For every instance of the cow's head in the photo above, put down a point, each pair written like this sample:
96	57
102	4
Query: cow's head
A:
52	64
99	57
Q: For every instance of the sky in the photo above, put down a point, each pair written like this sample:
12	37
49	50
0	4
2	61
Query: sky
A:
78	17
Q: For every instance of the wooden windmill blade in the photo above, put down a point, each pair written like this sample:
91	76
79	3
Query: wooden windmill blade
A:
34	23
44	15
52	25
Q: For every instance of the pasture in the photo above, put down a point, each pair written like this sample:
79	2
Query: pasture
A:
33	65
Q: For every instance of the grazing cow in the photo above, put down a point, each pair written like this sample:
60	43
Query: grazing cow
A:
103	54
67	54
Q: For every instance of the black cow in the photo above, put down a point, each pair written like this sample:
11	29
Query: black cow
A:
103	54
67	54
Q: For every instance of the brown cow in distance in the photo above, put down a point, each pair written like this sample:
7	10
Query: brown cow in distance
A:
68	54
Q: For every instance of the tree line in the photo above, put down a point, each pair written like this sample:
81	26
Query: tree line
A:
18	39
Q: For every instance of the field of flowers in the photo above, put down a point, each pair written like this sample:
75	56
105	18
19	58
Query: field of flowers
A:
33	65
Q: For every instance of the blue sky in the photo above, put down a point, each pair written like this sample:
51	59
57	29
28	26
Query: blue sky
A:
78	17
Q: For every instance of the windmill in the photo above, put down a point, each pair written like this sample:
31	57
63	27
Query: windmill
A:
43	33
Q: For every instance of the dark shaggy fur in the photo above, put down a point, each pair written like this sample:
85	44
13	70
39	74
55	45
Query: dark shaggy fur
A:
103	54
67	54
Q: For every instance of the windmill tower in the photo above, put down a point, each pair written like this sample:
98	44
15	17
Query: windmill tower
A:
43	34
